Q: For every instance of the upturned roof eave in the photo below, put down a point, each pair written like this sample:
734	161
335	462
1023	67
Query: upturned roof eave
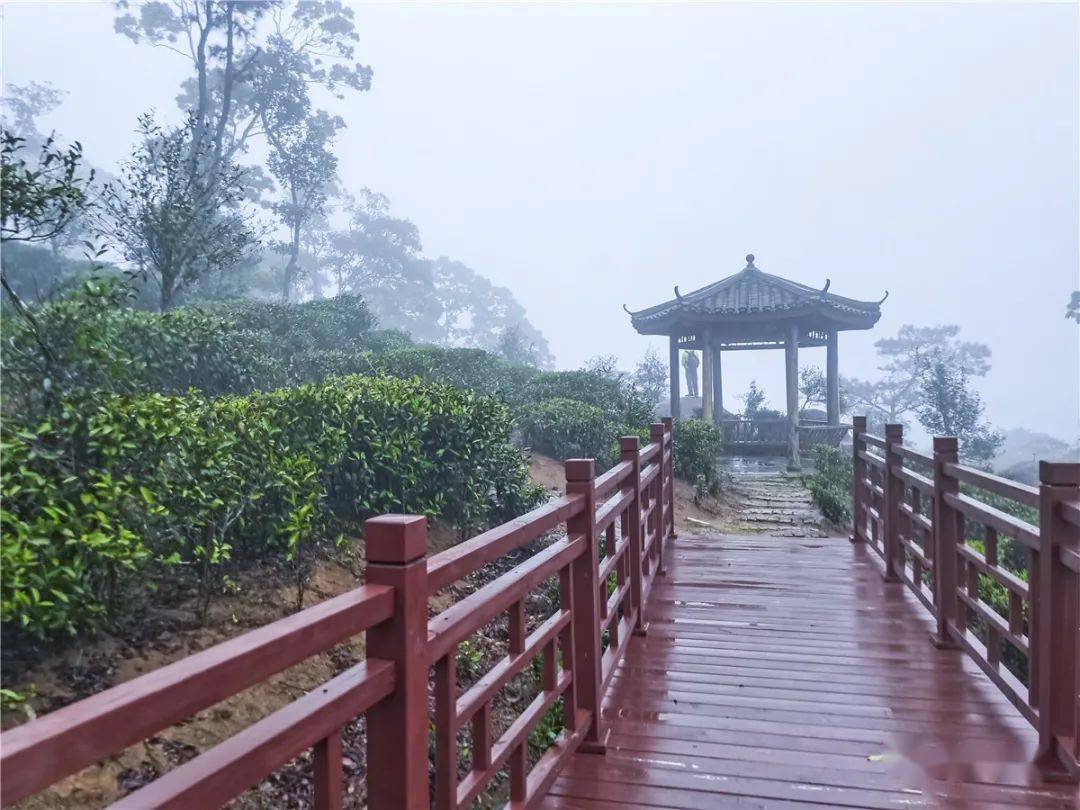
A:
846	313
678	321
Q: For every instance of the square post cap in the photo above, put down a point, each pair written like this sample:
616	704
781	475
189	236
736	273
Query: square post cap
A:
1059	473
629	443
395	539
580	469
945	444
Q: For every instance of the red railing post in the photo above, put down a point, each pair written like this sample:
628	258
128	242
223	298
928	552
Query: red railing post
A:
948	532
669	426
585	587
327	773
1056	604
894	494
656	434
858	473
629	447
397	728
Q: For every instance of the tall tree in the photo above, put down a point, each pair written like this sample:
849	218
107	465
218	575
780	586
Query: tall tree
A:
515	346
477	313
650	377
38	200
242	51
895	396
753	400
174	212
302	163
1072	309
378	256
949	406
813	387
23	105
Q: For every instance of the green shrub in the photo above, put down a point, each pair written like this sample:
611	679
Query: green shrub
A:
611	393
566	428
97	344
830	484
342	322
107	491
697	444
471	369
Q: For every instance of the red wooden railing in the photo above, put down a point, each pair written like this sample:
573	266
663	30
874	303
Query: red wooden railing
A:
909	508
617	527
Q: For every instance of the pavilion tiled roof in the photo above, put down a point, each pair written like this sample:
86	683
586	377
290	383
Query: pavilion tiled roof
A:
753	292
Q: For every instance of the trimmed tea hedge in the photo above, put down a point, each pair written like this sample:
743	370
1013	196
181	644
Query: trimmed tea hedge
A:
108	490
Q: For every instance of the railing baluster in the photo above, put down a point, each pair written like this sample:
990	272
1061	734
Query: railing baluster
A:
566	645
481	738
609	552
858	473
946	522
656	435
584	577
548	676
516	627
397	744
518	772
893	488
629	447
669	427
327	772
446	747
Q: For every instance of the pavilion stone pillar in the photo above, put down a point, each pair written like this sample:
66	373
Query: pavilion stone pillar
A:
674	377
791	356
832	379
707	378
717	385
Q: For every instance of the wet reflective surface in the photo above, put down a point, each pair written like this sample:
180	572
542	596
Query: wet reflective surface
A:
782	672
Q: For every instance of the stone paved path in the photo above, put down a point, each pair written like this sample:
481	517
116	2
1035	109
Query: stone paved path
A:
770	500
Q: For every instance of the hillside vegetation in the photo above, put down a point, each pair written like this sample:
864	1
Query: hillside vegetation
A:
148	448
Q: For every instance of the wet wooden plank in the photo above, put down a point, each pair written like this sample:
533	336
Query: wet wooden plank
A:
784	673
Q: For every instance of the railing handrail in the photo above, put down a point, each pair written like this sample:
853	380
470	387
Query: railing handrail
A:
225	771
635	497
1013	490
889	516
463	618
37	753
469	556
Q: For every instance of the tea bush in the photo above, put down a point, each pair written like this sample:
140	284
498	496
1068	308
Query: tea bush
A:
830	484
697	444
568	428
612	394
97	344
110	489
471	369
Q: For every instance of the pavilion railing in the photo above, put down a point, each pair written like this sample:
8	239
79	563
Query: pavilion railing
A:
957	537
742	433
617	526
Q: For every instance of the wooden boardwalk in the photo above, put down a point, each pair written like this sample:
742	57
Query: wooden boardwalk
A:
782	672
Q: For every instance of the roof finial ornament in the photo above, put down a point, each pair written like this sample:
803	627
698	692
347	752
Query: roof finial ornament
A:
882	301
626	309
750	260
677	294
825	289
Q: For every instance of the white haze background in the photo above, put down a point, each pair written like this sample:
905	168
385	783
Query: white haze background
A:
587	156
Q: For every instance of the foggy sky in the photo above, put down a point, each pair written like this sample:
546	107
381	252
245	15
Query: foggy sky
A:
590	156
